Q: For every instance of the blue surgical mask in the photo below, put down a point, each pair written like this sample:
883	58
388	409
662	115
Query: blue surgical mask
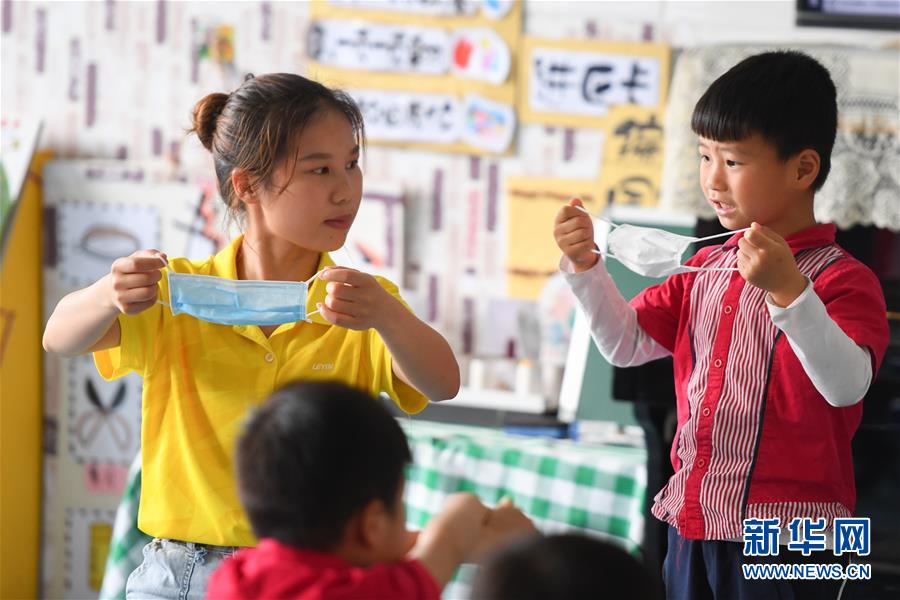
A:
238	302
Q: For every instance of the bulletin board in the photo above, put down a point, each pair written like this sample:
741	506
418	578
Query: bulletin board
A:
440	76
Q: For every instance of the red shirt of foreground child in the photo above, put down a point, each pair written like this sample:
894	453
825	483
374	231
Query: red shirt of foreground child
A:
274	570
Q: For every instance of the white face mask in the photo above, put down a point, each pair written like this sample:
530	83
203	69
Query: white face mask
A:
654	252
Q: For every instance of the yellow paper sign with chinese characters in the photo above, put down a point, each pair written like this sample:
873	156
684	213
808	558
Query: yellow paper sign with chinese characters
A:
531	207
632	157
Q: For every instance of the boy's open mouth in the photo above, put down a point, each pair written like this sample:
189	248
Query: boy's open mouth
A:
722	209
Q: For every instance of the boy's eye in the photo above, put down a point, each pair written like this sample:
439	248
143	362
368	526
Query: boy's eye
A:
704	158
352	164
730	163
320	171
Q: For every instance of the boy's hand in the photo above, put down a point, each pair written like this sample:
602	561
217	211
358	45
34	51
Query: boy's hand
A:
467	516
504	524
132	281
574	233
354	299
766	261
449	537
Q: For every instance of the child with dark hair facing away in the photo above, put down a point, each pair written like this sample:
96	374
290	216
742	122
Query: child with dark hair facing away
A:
570	566
213	337
320	473
776	334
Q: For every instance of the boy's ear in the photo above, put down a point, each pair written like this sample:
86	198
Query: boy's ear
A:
805	168
243	186
372	524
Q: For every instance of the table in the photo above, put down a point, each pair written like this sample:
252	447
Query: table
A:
563	485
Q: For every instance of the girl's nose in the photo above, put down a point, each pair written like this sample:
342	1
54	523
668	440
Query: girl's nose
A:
342	192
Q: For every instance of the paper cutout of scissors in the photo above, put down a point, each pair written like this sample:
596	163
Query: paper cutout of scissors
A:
89	424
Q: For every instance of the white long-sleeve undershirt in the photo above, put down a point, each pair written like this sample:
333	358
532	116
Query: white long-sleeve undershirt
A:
839	369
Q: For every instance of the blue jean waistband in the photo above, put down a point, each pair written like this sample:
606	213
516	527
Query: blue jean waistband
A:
195	546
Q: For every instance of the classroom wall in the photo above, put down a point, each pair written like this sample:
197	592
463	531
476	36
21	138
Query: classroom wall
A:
117	80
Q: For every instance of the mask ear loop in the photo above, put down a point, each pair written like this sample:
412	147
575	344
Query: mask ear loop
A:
608	222
711	268
158	301
599	217
718	235
595	251
712	237
311	279
308	282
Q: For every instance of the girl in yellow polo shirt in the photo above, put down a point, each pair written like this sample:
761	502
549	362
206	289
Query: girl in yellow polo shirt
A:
286	153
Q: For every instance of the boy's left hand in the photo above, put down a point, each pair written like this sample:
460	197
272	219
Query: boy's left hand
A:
765	260
505	523
353	299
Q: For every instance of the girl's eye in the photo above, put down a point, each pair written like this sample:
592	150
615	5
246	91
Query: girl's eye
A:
704	158
320	171
352	164
730	163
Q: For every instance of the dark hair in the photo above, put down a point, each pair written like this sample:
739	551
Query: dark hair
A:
255	127
571	566
785	96
313	455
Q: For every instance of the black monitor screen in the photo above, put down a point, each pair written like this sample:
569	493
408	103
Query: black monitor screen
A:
859	14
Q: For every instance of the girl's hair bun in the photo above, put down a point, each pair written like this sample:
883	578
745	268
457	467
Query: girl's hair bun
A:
206	112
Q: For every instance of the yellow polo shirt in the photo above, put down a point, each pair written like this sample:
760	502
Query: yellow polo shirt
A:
201	379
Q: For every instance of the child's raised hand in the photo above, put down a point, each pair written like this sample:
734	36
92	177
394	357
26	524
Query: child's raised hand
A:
132	281
574	233
353	299
450	536
765	260
504	523
467	515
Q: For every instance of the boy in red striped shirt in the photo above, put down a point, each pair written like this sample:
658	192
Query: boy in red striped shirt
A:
776	335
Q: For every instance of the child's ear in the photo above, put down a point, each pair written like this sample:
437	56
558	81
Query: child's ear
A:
805	168
243	186
373	524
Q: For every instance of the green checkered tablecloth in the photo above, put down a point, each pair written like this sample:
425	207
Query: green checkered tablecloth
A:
127	543
562	485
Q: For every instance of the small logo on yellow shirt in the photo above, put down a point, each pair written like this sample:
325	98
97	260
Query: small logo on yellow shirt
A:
322	366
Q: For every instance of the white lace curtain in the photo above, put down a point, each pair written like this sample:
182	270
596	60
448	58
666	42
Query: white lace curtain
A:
863	187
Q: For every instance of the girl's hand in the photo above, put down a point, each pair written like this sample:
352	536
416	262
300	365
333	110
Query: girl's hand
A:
354	299
574	234
132	281
766	261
